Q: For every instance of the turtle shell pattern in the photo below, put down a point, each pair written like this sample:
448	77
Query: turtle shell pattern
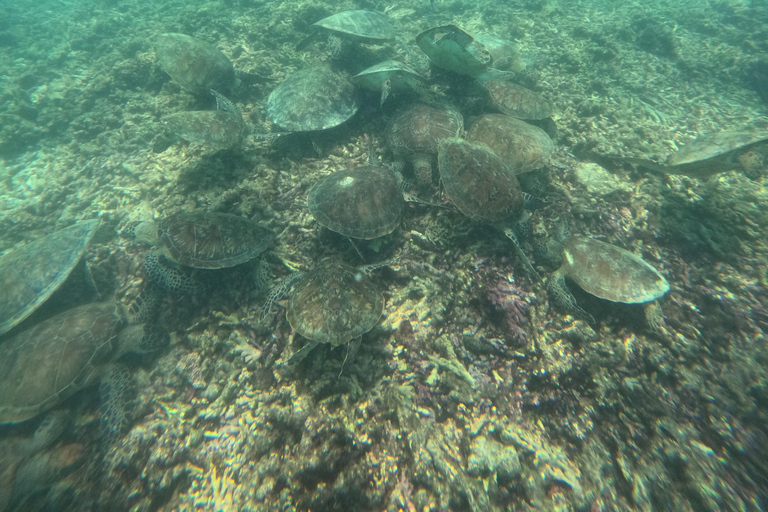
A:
313	98
215	128
478	182
611	273
713	153
30	273
51	361
334	303
195	65
365	202
517	101
212	240
366	25
521	146
449	47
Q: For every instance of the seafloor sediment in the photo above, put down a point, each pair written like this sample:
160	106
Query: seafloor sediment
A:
473	392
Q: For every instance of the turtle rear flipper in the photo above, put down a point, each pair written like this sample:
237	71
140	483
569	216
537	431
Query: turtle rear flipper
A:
560	294
169	276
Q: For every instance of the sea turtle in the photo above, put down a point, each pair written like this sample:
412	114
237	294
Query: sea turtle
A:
482	187
195	65
522	146
220	128
200	240
365	202
607	272
30	273
414	135
49	362
517	101
333	303
504	53
358	25
314	98
715	153
388	76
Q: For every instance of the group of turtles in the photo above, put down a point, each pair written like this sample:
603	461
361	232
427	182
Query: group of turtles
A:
334	303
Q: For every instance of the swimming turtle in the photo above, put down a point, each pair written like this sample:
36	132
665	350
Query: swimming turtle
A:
414	135
521	146
195	65
49	362
388	76
200	240
365	202
607	272
358	25
504	53
517	101
483	187
30	273
314	98
712	154
220	128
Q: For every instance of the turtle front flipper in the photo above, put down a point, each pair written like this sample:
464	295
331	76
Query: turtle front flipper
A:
303	352
560	294
169	276
117	391
521	255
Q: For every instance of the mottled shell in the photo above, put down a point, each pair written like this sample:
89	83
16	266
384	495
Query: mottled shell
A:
517	101
420	128
713	153
611	273
373	77
212	240
367	25
30	273
504	53
478	182
365	202
314	98
521	146
449	47
195	65
51	361
334	303
215	128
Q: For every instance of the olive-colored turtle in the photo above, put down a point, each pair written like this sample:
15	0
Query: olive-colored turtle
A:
51	361
605	271
30	273
199	240
195	65
517	101
365	202
505	54
521	146
334	303
359	25
220	128
415	133
389	76
314	98
482	187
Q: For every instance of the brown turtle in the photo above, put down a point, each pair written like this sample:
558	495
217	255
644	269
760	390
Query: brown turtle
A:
365	202
607	272
30	273
49	362
517	101
521	146
415	133
195	65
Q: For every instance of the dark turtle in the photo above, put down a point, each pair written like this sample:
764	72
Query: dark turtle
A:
605	271
389	76
482	187
314	98
30	273
51	361
334	303
517	101
521	146
196	65
365	202
415	133
220	128
359	25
